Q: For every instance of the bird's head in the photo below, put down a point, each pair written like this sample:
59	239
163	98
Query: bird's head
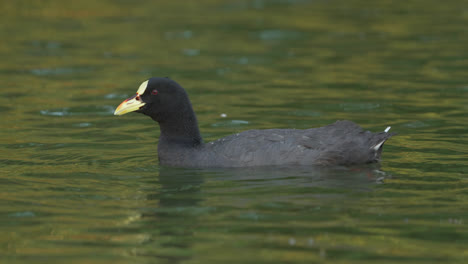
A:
159	98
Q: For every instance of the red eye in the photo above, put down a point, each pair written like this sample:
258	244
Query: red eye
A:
154	92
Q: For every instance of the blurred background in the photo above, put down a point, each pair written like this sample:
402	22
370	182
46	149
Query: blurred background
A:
79	185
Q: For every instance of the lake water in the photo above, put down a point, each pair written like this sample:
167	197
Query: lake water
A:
79	185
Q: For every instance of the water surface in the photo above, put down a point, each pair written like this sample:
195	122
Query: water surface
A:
80	185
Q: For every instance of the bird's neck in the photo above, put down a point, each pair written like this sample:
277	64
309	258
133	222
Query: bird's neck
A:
181	130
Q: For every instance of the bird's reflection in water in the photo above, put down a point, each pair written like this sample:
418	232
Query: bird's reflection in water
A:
173	222
183	198
361	177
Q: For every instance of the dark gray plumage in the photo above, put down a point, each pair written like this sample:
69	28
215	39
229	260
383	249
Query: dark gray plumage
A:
180	143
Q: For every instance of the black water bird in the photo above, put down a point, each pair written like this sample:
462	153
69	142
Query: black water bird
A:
181	145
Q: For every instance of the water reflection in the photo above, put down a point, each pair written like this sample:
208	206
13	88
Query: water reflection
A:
188	199
352	178
173	223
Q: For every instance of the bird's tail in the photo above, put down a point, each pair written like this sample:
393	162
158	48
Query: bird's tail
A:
380	139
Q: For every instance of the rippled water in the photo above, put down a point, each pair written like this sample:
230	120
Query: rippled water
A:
80	185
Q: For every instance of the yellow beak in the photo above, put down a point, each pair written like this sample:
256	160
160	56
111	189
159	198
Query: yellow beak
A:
131	104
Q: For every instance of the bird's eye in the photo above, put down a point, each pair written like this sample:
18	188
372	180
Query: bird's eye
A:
154	92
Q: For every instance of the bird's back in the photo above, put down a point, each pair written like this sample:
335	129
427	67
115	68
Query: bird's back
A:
341	143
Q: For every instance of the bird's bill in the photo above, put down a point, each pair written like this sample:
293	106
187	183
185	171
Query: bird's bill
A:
130	105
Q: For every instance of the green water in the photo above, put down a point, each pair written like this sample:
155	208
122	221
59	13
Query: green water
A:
79	185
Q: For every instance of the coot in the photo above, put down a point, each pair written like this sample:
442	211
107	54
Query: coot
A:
180	143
